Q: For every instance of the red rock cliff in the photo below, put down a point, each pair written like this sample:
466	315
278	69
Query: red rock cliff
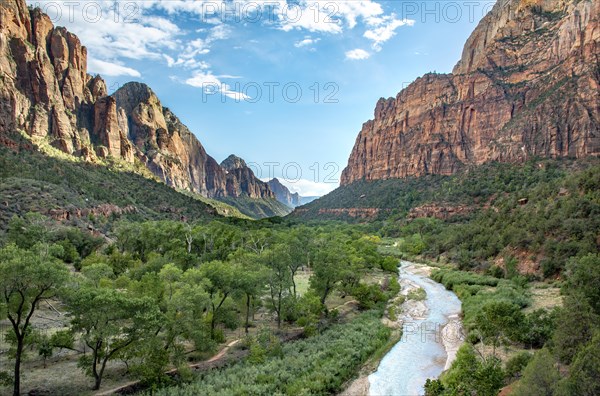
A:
527	85
45	92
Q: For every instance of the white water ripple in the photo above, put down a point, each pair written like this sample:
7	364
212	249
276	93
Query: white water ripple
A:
420	354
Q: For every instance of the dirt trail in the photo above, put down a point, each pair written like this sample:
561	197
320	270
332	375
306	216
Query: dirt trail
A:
133	384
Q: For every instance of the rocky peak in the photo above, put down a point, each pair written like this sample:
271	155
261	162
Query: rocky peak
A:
527	85
241	180
283	194
45	91
130	95
233	162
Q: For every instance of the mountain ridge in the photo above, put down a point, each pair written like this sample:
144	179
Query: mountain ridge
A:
46	92
527	86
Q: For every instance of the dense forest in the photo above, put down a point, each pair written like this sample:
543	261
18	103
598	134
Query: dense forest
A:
296	306
161	294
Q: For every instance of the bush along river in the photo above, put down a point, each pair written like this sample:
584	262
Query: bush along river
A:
432	333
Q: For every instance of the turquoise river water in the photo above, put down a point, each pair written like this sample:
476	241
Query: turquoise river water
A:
420	354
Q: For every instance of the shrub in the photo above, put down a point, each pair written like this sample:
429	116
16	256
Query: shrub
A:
317	365
516	364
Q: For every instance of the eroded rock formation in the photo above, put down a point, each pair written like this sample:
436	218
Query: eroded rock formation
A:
527	85
46	92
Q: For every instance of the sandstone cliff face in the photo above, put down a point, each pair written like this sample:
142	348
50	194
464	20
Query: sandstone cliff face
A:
527	85
45	92
164	144
283	194
240	180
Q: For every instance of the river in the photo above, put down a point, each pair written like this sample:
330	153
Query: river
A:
431	335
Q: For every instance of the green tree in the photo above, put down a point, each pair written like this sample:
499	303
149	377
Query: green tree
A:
253	277
434	387
30	229
470	375
300	250
110	321
575	324
95	273
540	377
223	283
537	328
277	260
583	279
584	373
184	311
332	265
498	322
170	275
26	278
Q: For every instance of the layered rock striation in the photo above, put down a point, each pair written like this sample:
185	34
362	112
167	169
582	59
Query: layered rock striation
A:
46	93
527	85
284	195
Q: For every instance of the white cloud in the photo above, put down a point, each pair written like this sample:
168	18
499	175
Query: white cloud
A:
353	10
327	16
306	42
219	32
110	69
386	30
212	84
357	54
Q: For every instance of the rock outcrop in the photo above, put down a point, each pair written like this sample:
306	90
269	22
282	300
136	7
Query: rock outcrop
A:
164	144
283	194
527	85
46	93
241	181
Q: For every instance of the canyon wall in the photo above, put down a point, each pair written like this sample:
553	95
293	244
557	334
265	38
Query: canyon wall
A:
47	94
527	85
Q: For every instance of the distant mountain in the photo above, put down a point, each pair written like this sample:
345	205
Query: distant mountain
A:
47	95
283	194
245	191
286	197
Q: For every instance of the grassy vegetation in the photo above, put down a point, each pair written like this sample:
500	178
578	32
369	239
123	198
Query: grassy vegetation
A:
222	208
417	294
257	208
33	182
472	186
318	365
65	182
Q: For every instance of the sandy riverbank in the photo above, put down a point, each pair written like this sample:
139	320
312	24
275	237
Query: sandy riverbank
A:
451	337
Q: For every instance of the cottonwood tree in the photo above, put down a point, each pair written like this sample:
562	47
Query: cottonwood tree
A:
499	321
184	304
110	321
277	260
27	277
332	265
300	249
223	283
253	277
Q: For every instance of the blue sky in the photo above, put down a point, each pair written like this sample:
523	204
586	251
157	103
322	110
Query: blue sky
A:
233	70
